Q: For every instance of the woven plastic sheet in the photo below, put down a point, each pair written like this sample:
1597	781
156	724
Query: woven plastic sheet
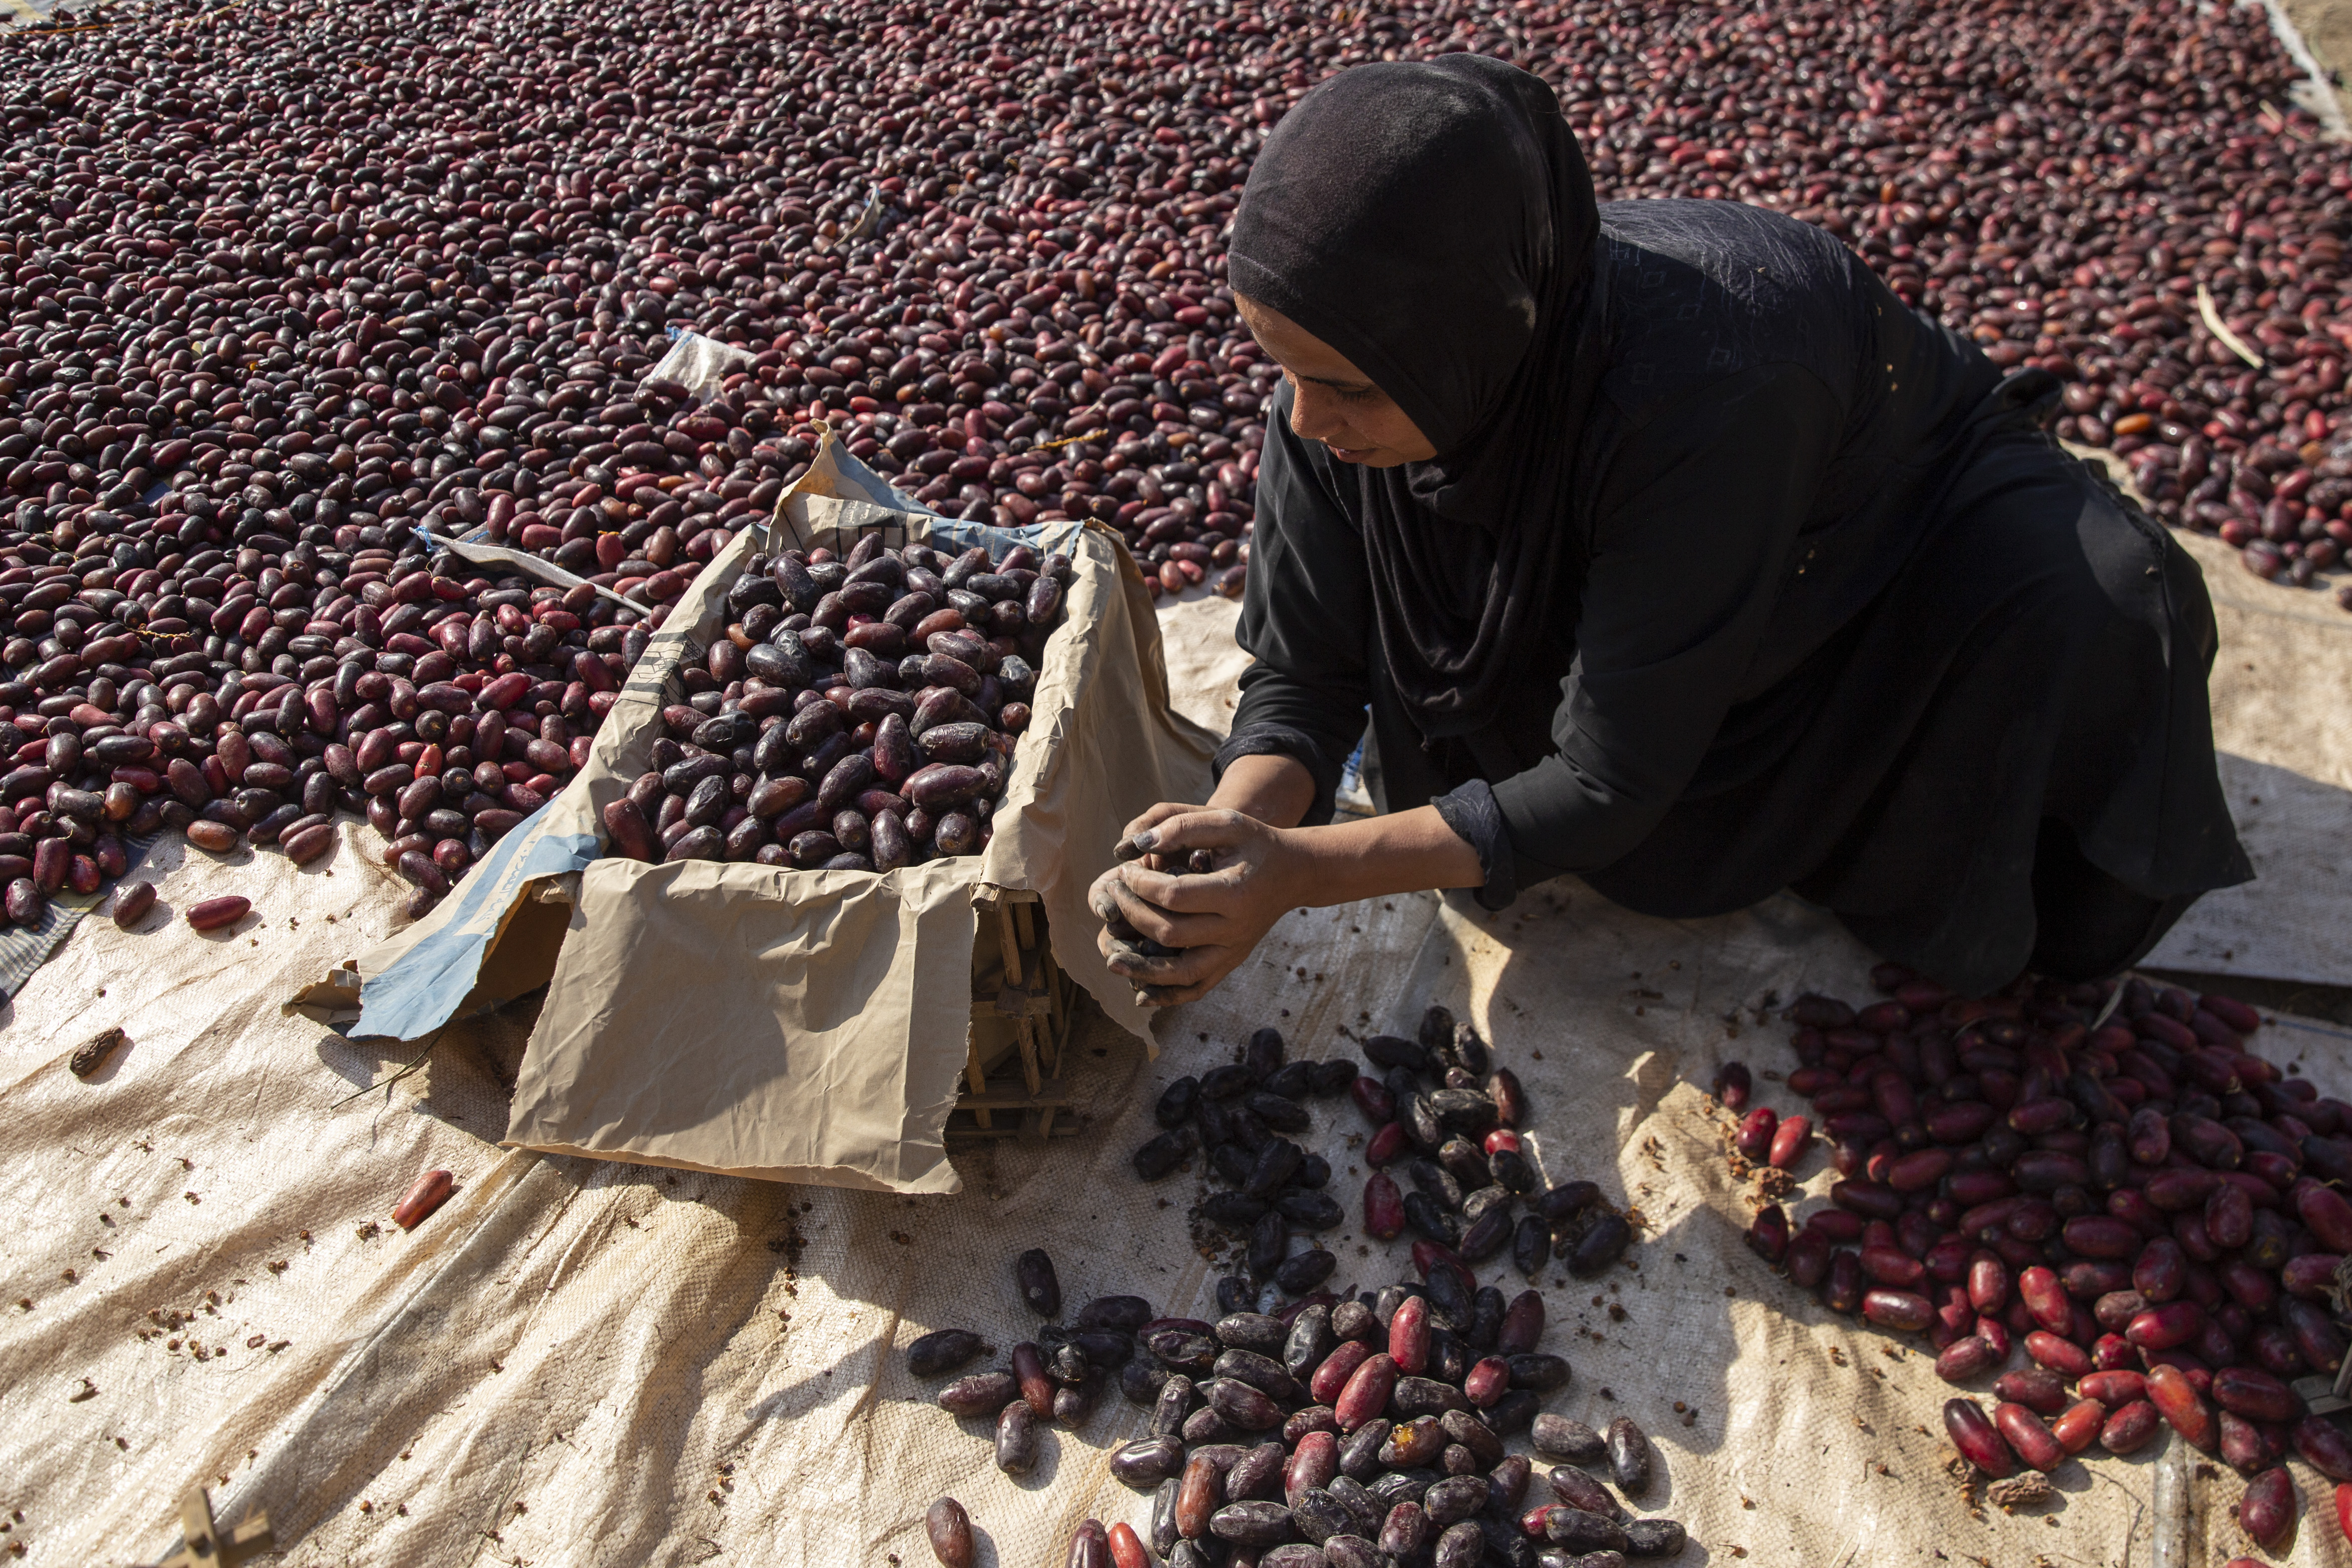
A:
24	948
598	1364
585	1363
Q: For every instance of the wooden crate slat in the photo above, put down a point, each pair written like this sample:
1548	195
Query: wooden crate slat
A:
1012	1076
1014	972
1032	1072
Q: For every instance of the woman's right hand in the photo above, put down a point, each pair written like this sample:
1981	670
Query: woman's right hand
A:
1208	886
1255	874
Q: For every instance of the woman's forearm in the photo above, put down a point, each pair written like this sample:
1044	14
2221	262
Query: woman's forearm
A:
1370	857
1365	857
1375	857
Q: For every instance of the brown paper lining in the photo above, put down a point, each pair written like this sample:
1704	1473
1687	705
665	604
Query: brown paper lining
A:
811	1026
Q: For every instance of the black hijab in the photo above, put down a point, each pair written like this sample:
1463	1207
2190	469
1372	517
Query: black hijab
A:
1434	223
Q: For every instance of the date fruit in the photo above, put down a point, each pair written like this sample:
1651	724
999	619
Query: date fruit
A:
944	1350
429	1192
218	914
949	1529
1018	1438
982	1394
1977	1439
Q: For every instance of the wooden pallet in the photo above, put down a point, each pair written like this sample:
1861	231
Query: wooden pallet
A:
1022	1009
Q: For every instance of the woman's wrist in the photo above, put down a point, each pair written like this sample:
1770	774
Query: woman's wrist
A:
1275	789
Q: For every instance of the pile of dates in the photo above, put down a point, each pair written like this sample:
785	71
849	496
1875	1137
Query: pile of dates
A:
447	705
431	258
1243	1113
424	271
2144	1209
859	713
1361	1433
445	760
1443	1113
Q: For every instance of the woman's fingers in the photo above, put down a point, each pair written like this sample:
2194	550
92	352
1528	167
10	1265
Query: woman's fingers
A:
1124	958
1206	917
1125	917
1173	996
1114	948
1194	966
1103	900
1150	819
1196	828
1228	893
1168	928
1163	838
1219	892
1099	899
1217	963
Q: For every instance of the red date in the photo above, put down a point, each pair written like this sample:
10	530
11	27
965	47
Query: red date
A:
2130	1428
2267	1511
1366	1394
2027	1437
2077	1427
2178	1401
1976	1439
1789	1142
218	914
2255	1394
1383	1206
429	1191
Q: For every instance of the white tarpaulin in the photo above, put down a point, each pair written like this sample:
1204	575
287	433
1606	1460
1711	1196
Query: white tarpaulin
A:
585	1363
578	1362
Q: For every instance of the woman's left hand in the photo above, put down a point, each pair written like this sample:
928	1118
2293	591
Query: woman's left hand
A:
1216	917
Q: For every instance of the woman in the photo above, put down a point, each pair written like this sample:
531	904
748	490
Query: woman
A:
1666	548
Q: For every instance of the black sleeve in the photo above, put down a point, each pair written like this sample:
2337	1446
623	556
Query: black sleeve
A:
1697	529
1476	818
1306	621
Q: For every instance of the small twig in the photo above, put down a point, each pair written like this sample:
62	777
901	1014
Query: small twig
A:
2219	328
410	1066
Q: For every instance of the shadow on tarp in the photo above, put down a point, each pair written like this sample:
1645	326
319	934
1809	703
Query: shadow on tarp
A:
2289	923
442	975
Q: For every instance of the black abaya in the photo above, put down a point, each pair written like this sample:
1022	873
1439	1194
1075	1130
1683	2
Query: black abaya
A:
1842	619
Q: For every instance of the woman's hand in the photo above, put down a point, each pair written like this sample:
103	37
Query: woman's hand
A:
1255	874
1216	917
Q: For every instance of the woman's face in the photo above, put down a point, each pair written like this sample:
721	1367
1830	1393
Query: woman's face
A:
1332	401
